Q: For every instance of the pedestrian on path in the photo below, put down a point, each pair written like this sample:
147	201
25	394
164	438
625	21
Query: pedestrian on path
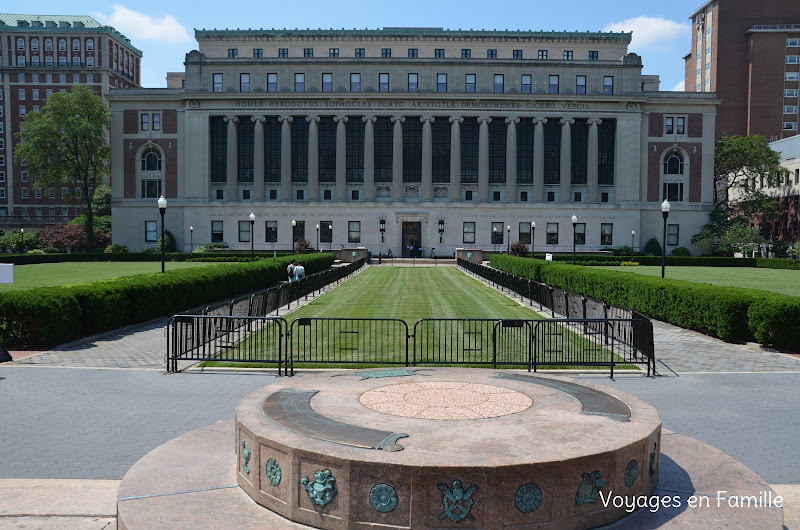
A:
291	271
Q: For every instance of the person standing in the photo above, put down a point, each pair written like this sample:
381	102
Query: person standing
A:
291	271
299	271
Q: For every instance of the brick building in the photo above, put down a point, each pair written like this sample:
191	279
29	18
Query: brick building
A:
748	53
39	55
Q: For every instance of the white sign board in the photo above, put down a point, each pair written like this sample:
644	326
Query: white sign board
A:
6	273
548	257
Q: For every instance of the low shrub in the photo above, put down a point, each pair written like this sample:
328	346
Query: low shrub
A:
652	247
681	252
116	249
630	263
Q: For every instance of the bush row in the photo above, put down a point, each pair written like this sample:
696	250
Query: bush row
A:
772	263
730	313
45	316
33	259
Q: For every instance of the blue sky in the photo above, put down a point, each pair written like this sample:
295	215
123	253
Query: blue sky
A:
164	31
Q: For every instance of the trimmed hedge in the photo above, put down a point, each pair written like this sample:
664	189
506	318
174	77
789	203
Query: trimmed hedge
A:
773	263
33	259
46	316
730	313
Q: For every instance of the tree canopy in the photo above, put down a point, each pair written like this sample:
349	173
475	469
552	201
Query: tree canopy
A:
66	143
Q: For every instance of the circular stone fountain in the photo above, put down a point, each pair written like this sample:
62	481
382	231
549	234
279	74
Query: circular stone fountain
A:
421	448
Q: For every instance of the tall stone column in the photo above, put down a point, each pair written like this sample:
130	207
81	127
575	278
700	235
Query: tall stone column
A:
398	189
455	158
286	157
258	157
538	158
313	157
232	169
369	157
426	190
592	160
566	158
341	157
511	158
483	158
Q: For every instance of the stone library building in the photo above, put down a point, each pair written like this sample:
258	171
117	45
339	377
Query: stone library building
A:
414	140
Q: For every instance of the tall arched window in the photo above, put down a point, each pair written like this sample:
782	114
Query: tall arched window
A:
673	164
151	173
673	176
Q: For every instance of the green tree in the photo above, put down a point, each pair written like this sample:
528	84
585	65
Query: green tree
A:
740	163
65	144
101	201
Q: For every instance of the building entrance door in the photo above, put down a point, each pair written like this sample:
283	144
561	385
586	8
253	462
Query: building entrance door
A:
412	239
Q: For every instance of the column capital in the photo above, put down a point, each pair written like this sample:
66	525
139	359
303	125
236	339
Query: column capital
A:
539	120
486	119
343	119
512	119
258	119
594	121
286	119
371	119
430	119
315	119
459	119
401	119
564	121
231	119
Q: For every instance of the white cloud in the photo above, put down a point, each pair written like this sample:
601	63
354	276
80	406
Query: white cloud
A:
649	31
680	87
138	26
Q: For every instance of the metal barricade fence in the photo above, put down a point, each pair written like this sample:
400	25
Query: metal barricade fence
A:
453	341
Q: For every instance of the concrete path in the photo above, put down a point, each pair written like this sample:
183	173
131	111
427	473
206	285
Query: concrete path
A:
76	418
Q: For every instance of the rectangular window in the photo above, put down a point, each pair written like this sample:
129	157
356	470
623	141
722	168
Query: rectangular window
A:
680	127
790	93
283	52
790	125
491	54
553	84
51	193
793	59
606	233
413	82
244	82
22	94
542	54
24	193
497	233
360	52
2	176
272	82
552	234
258	53
516	54
244	231
468	195
593	55
413	53
48	61
792	43
499	84
792	76
23	175
438	53
62	61
468	233
145	119
466	53
790	109
299	82
232	53
216	232
327	82
673	191
308	52
441	82
150	231
64	192
2	193
796	176
383	82
669	125
525	233
526	84
386	53
469	83
271	232
354	195
580	84
76	61
672	235
608	85
355	82
217	86
156	122
333	52
567	55
298	231
580	233
354	231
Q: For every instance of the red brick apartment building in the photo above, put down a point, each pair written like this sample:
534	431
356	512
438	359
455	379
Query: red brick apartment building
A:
749	54
39	55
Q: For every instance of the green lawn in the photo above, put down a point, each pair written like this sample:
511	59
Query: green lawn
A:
775	280
70	273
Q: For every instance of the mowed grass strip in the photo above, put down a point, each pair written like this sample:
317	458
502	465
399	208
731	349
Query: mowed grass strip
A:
72	273
781	281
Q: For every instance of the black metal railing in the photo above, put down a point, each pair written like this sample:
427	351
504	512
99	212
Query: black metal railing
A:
453	341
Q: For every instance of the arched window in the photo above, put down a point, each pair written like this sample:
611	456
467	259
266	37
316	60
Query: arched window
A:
151	160
62	45
20	43
151	173
673	164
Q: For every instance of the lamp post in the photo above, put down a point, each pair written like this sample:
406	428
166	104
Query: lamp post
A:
533	233
441	228
574	236
294	223
162	208
22	234
191	239
318	249
665	213
252	224
382	226
494	237
508	229
330	241
633	238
